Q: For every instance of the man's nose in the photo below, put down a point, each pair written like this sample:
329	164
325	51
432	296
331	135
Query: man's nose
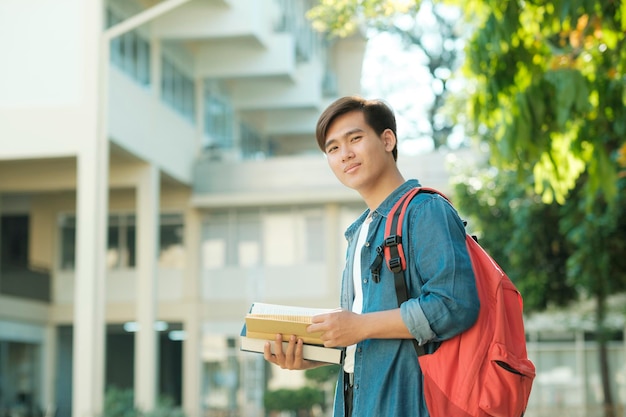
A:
346	153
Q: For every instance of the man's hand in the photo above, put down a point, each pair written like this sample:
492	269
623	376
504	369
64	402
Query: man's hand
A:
291	358
340	328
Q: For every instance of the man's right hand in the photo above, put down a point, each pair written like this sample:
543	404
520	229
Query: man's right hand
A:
291	358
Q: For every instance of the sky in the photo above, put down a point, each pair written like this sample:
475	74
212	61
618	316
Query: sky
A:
398	75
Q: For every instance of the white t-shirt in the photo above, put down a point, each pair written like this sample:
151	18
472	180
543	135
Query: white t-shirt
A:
357	305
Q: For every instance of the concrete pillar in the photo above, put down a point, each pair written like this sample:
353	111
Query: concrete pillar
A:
92	200
89	289
49	362
192	345
146	346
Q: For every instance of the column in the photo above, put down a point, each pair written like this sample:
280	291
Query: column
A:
92	188
89	289
146	346
192	345
49	370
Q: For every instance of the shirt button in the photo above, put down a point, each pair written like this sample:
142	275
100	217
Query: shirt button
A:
367	244
365	281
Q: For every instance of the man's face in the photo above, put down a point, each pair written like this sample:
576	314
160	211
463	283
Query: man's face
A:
356	154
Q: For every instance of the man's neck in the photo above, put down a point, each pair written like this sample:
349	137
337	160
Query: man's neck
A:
375	195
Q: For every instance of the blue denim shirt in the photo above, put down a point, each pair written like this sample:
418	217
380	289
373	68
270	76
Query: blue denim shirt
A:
442	302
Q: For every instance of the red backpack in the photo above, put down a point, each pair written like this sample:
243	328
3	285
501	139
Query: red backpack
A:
484	371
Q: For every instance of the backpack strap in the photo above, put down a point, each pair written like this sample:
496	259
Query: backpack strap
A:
393	252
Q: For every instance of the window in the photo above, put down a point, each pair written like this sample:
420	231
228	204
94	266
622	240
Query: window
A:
252	145
121	241
130	52
171	248
293	21
177	89
277	237
218	124
68	241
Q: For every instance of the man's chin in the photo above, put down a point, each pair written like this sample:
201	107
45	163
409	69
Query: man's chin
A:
350	183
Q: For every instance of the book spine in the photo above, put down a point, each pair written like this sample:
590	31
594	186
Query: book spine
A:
272	336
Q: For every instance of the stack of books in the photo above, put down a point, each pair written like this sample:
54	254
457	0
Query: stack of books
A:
264	321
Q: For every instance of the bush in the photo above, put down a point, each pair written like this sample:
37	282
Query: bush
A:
302	399
121	403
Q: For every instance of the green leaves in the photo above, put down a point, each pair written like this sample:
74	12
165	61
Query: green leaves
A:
552	105
344	17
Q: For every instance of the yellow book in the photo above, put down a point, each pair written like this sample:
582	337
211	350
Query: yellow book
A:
265	321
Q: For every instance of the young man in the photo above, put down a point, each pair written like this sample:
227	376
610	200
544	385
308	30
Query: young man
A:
381	374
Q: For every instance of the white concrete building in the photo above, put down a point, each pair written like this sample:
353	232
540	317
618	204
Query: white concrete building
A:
158	173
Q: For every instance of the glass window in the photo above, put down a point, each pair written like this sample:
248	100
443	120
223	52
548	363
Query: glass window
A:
177	89
121	241
218	121
68	241
314	232
252	144
143	61
279	237
130	52
171	246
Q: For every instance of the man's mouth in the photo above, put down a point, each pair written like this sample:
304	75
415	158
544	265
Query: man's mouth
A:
351	168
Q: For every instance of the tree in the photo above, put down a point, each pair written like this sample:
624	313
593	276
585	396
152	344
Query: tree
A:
520	232
298	401
324	378
433	35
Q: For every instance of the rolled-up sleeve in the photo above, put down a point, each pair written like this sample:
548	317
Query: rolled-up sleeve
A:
416	321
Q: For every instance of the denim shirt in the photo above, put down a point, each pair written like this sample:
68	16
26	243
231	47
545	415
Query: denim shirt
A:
442	302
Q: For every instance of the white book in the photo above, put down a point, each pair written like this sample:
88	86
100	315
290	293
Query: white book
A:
309	352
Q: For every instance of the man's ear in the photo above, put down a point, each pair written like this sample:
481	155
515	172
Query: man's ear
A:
389	139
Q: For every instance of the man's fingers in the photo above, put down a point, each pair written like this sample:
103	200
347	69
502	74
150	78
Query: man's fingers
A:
278	346
267	352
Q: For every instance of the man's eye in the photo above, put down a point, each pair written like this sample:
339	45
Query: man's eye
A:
355	138
331	149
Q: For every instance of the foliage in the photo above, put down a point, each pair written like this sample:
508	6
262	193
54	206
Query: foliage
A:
302	399
597	264
549	90
345	17
520	232
322	374
120	403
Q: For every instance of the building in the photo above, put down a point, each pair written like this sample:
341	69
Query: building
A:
158	173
